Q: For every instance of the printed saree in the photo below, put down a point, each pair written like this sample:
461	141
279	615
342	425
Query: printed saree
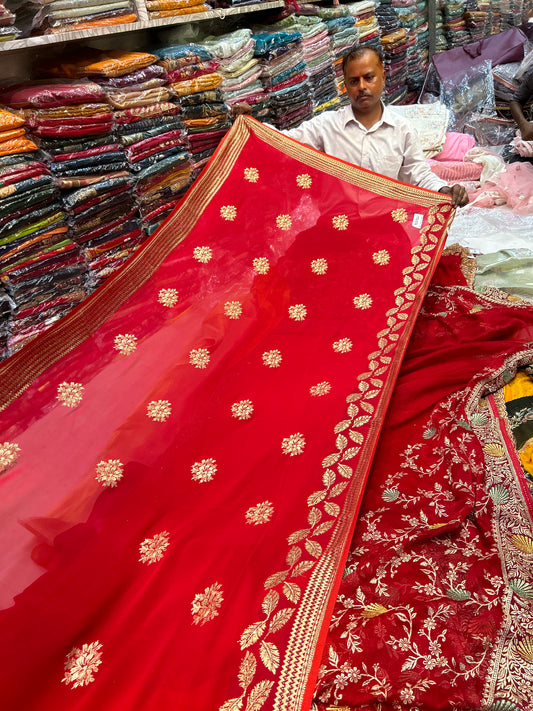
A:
185	453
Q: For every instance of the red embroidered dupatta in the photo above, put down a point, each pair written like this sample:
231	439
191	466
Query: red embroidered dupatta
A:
184	455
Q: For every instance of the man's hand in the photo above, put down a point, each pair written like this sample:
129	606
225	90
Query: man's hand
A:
458	194
241	109
526	130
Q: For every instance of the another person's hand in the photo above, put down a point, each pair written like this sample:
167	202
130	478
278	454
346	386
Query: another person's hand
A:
242	109
526	130
458	194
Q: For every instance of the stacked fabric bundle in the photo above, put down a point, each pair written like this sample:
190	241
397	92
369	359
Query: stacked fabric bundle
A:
170	8
476	22
193	76
393	42
59	16
366	22
343	35
8	29
495	17
284	77
454	23
413	18
42	270
240	70
441	43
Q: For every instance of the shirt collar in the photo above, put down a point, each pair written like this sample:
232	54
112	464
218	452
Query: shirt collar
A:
388	116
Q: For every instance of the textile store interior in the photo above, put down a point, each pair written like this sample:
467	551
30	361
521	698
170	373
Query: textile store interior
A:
110	116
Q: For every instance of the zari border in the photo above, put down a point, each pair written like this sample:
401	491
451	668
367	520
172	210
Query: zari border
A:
294	675
468	262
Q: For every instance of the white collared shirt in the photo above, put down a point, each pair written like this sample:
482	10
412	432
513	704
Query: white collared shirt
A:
390	147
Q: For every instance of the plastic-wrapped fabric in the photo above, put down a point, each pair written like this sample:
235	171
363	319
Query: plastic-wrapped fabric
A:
471	92
176	56
84	13
512	187
92	62
161	14
139	76
80	112
17	145
192	71
165	5
228	44
202	83
99	21
163	108
131	99
266	42
147	128
10	120
50	95
174	137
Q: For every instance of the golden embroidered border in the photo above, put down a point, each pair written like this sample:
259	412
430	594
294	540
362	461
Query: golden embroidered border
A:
324	513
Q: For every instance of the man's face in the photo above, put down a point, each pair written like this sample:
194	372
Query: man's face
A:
365	81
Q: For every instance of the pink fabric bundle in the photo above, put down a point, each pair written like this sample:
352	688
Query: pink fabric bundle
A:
455	146
455	171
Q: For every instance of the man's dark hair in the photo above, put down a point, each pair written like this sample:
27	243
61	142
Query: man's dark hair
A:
359	52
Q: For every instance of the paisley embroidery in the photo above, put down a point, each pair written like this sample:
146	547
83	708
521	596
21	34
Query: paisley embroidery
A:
293	445
9	452
206	605
260	513
81	664
242	410
228	212
168	297
125	343
203	254
109	472
319	266
204	470
159	410
152	549
70	394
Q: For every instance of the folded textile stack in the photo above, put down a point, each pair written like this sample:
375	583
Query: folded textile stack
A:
240	70
319	61
476	20
193	76
284	77
430	122
41	268
505	86
512	13
8	29
495	17
454	23
170	8
441	43
343	36
366	22
395	59
57	16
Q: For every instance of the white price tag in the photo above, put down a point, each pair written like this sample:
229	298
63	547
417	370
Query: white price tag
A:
418	219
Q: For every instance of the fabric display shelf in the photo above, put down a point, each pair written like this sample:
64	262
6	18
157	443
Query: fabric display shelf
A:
343	35
284	77
240	364
394	44
42	270
413	18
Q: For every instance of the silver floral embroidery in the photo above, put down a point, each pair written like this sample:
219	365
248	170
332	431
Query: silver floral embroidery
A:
284	222
233	309
159	410
205	606
340	222
242	410
152	549
399	215
304	180
199	357
382	257
260	513
293	445
343	345
363	301
125	343
204	470
273	358
298	312
320	389
228	212
261	265
319	266
203	254
9	452
168	297
109	472
70	394
251	175
82	663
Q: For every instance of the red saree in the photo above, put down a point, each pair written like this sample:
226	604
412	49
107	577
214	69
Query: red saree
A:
184	454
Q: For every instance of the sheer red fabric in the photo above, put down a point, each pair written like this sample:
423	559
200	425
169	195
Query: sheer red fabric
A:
184	455
435	610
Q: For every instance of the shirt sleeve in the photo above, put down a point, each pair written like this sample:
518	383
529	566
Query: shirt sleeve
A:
414	168
525	90
309	132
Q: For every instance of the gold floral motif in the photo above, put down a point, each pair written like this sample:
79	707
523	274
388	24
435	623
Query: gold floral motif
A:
82	663
199	357
382	257
205	606
109	472
261	265
293	445
228	212
9	452
524	649
204	470
125	343
363	301
242	410
251	175
374	609
319	266
152	549
260	513
284	222
304	180
168	297
70	394
159	410
320	389
399	215
340	222
203	254
343	345
233	309
273	358
298	312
